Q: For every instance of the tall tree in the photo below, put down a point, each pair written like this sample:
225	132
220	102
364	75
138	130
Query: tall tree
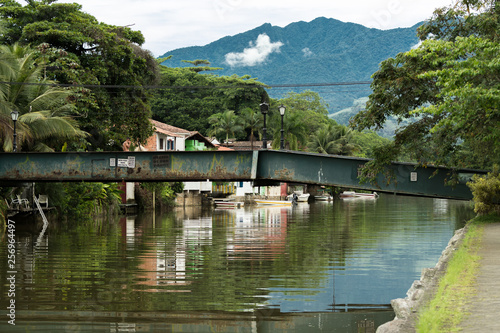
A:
46	117
252	121
77	49
323	140
295	132
449	87
226	123
194	94
305	113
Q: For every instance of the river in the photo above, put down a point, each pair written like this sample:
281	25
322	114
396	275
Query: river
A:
324	266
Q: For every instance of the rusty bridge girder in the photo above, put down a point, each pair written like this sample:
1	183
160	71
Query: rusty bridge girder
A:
258	166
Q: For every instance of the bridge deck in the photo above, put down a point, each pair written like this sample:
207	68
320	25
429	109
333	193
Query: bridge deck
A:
257	166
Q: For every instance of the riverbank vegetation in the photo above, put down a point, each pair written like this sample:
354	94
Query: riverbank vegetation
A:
77	201
446	310
158	196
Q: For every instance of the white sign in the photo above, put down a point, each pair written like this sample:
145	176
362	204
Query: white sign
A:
131	162
123	163
413	176
112	162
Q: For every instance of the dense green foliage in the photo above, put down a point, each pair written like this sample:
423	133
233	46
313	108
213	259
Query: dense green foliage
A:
80	201
164	194
486	192
323	50
74	48
194	97
46	117
447	90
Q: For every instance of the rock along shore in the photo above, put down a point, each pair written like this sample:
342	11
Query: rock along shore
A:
421	291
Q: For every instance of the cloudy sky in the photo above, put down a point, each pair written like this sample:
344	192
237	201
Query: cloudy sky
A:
172	24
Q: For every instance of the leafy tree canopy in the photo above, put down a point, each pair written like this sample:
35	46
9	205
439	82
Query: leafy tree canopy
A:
77	49
196	95
448	87
46	115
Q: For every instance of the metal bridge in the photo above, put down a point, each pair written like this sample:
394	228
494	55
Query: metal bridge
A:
263	167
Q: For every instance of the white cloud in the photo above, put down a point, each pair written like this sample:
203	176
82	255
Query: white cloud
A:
256	54
307	52
168	25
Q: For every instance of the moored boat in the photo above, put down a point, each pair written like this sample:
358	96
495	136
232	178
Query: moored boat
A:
301	197
353	194
227	203
273	202
323	198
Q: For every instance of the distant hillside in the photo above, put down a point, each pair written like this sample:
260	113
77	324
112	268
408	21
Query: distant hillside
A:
321	51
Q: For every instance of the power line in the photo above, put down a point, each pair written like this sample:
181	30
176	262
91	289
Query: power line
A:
112	86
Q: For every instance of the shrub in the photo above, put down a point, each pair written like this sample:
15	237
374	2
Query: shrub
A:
486	192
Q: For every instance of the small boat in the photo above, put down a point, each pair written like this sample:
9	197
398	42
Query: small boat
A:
273	202
303	197
323	198
227	203
352	194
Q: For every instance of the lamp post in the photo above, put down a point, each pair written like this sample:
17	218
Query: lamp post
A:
282	113
14	115
264	107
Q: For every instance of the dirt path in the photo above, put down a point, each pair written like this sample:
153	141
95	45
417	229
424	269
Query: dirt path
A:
484	308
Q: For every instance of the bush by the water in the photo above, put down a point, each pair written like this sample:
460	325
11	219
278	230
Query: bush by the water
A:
486	192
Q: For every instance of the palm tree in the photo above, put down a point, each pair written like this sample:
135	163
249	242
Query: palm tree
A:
323	140
253	121
45	115
225	123
295	131
343	142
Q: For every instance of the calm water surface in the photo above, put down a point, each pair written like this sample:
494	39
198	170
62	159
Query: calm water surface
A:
330	267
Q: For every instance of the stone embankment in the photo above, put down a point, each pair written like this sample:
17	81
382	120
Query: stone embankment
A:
421	291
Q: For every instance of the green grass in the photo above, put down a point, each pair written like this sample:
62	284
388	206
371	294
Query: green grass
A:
445	311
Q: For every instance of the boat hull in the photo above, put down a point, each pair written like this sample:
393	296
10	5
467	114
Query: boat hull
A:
355	195
273	202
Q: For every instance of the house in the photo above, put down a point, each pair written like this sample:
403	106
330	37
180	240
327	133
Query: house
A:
167	137
170	138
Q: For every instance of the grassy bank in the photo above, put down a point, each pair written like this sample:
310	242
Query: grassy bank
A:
446	310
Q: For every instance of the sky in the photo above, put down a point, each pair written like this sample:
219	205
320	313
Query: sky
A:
171	24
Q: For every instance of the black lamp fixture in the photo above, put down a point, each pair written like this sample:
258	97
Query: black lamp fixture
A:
282	113
14	115
264	108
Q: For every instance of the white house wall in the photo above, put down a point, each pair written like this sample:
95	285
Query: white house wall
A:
243	188
198	186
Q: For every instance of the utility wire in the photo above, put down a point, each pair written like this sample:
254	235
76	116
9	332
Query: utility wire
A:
111	86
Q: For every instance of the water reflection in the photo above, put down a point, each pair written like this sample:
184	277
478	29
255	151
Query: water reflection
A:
257	322
252	269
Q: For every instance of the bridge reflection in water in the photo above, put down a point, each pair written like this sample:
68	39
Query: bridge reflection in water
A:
261	167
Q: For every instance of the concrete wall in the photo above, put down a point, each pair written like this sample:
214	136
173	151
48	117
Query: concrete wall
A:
188	199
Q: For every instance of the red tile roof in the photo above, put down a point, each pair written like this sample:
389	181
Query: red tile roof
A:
171	130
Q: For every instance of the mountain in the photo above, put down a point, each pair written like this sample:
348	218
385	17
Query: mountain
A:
321	51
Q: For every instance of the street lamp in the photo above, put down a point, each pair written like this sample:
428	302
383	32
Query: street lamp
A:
282	113
14	115
264	107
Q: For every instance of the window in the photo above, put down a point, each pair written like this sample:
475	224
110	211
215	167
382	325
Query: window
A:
161	145
170	145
